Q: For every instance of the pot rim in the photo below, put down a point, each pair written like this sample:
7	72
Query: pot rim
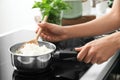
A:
13	53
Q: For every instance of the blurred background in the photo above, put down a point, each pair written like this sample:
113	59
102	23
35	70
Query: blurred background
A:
16	14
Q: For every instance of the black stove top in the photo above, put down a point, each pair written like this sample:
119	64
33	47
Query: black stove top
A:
59	70
67	69
63	70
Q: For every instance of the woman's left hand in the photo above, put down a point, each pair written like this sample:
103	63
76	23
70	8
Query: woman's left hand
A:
98	51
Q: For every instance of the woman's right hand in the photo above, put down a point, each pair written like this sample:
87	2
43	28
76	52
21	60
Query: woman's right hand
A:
51	32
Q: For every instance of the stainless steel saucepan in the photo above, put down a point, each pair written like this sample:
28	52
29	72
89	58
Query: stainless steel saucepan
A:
37	63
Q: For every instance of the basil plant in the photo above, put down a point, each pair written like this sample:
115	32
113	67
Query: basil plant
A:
52	9
110	3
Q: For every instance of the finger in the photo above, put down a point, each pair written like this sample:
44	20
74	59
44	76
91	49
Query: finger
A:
94	60
78	49
81	55
44	36
47	38
99	62
89	56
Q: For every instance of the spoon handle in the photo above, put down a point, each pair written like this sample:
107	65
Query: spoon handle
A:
39	31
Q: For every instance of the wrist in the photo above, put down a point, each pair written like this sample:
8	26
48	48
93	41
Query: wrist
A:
118	39
115	38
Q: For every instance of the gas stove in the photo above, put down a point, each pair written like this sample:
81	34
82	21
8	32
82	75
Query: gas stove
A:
60	69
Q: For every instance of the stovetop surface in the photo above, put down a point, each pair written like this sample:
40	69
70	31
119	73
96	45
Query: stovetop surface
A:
59	70
67	69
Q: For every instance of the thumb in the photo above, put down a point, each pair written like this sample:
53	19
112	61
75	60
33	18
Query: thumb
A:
45	25
42	24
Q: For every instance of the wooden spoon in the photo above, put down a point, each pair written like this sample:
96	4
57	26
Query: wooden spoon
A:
35	41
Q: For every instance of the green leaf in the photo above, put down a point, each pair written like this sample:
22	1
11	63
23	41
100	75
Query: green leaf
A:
51	7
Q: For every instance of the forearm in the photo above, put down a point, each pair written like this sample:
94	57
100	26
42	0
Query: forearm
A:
92	28
98	26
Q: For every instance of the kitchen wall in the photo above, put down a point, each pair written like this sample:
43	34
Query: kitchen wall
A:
15	14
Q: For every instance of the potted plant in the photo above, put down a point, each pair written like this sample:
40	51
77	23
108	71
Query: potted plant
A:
110	3
52	9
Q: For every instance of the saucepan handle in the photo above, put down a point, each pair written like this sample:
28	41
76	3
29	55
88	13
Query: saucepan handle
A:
63	54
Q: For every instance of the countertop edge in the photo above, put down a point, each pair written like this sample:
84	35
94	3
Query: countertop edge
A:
98	71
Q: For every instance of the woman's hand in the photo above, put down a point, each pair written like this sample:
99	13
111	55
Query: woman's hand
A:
51	32
99	50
